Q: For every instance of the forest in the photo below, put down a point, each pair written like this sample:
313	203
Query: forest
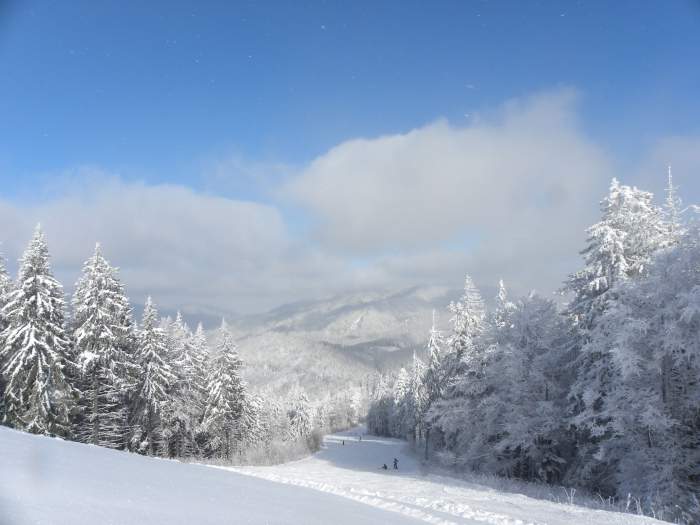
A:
91	374
601	393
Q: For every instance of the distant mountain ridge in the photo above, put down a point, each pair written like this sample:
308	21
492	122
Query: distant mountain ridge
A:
334	342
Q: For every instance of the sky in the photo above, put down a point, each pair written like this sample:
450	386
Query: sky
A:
235	156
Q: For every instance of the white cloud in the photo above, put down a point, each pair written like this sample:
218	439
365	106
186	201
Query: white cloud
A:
509	196
518	188
187	249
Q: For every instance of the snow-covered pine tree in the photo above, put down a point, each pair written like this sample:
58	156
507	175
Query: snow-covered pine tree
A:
402	414
652	407
152	400
467	321
619	248
519	430
672	213
381	405
103	337
416	398
180	423
251	428
6	287
435	377
35	352
224	405
463	365
300	415
320	421
198	381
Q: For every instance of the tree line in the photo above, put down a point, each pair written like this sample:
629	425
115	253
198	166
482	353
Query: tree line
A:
155	387
603	393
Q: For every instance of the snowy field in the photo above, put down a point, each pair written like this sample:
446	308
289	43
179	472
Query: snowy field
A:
52	482
353	471
49	481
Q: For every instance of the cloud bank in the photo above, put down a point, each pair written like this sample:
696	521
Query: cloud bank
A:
509	195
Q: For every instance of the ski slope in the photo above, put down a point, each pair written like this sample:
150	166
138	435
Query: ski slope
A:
52	482
353	471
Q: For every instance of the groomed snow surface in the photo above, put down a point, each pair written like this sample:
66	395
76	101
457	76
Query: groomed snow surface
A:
49	481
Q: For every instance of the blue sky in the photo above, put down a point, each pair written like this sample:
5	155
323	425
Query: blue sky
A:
171	92
154	87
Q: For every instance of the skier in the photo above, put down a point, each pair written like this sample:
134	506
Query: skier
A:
343	442
385	467
396	464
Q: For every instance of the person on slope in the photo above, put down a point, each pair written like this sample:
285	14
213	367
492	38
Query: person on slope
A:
385	467
396	464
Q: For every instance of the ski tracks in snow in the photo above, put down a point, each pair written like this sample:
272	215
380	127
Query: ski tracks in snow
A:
351	468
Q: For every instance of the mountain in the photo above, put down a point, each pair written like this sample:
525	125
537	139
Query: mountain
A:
329	344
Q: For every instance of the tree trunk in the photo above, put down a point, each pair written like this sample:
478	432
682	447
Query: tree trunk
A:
95	408
427	439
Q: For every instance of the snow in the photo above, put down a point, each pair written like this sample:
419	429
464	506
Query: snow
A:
45	480
353	471
50	481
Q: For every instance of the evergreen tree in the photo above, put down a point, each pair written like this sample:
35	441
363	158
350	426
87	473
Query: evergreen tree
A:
463	368
225	401
300	415
152	401
416	398
524	403
103	339
652	407
35	352
6	287
467	319
180	423
402	413
620	247
435	379
672	213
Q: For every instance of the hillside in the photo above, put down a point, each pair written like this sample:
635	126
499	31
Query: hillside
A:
45	480
328	344
55	482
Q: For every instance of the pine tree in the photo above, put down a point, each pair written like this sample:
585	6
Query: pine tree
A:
225	401
523	406
152	400
381	406
35	353
402	413
180	424
197	383
6	287
417	398
672	213
435	378
300	415
467	319
620	248
652	407
251	428
464	364
103	339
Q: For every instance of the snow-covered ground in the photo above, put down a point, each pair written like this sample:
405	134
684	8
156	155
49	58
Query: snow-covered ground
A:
353	471
52	482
